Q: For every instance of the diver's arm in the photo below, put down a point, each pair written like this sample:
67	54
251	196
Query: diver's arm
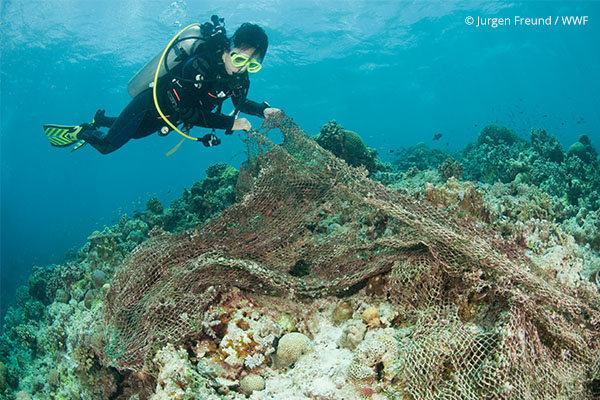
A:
253	108
206	119
262	110
250	107
243	104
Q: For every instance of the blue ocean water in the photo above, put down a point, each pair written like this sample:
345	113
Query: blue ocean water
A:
396	72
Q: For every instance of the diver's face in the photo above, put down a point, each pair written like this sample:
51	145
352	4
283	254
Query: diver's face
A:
250	52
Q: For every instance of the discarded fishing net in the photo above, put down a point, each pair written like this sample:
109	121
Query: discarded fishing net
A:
479	320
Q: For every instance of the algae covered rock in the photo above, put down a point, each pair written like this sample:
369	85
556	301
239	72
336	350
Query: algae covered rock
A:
419	157
347	145
450	168
497	135
53	377
23	395
583	149
342	312
89	298
41	285
98	278
62	296
352	335
3	372
154	206
286	323
371	317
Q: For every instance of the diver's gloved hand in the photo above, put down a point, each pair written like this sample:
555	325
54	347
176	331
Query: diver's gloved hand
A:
210	140
271	111
241	124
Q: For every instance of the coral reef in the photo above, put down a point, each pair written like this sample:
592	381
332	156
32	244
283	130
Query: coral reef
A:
204	200
178	379
374	357
3	372
499	155
583	150
451	169
154	206
301	278
53	340
495	156
585	227
419	157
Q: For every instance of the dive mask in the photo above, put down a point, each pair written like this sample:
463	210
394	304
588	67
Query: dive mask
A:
240	60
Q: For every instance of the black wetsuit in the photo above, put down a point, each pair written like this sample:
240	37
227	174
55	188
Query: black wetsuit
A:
191	94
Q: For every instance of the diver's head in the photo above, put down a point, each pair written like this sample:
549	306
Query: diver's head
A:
248	47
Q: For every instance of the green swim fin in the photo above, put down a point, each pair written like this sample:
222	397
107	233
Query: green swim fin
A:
62	135
78	145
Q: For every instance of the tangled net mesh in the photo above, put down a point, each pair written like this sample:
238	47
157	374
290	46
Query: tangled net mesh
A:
482	322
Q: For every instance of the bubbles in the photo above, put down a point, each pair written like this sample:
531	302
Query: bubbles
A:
175	13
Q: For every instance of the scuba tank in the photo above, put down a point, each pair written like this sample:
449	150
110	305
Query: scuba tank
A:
185	45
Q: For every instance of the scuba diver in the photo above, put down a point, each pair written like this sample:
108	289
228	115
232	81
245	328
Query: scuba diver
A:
185	84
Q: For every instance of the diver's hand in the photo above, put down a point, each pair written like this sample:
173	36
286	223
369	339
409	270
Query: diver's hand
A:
241	124
270	111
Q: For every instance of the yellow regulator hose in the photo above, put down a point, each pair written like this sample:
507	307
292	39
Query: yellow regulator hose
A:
160	63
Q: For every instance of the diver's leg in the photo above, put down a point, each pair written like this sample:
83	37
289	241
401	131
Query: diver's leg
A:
116	137
122	129
101	120
97	139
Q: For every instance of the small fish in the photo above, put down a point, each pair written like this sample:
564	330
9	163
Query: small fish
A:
437	136
562	123
391	151
545	115
475	125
